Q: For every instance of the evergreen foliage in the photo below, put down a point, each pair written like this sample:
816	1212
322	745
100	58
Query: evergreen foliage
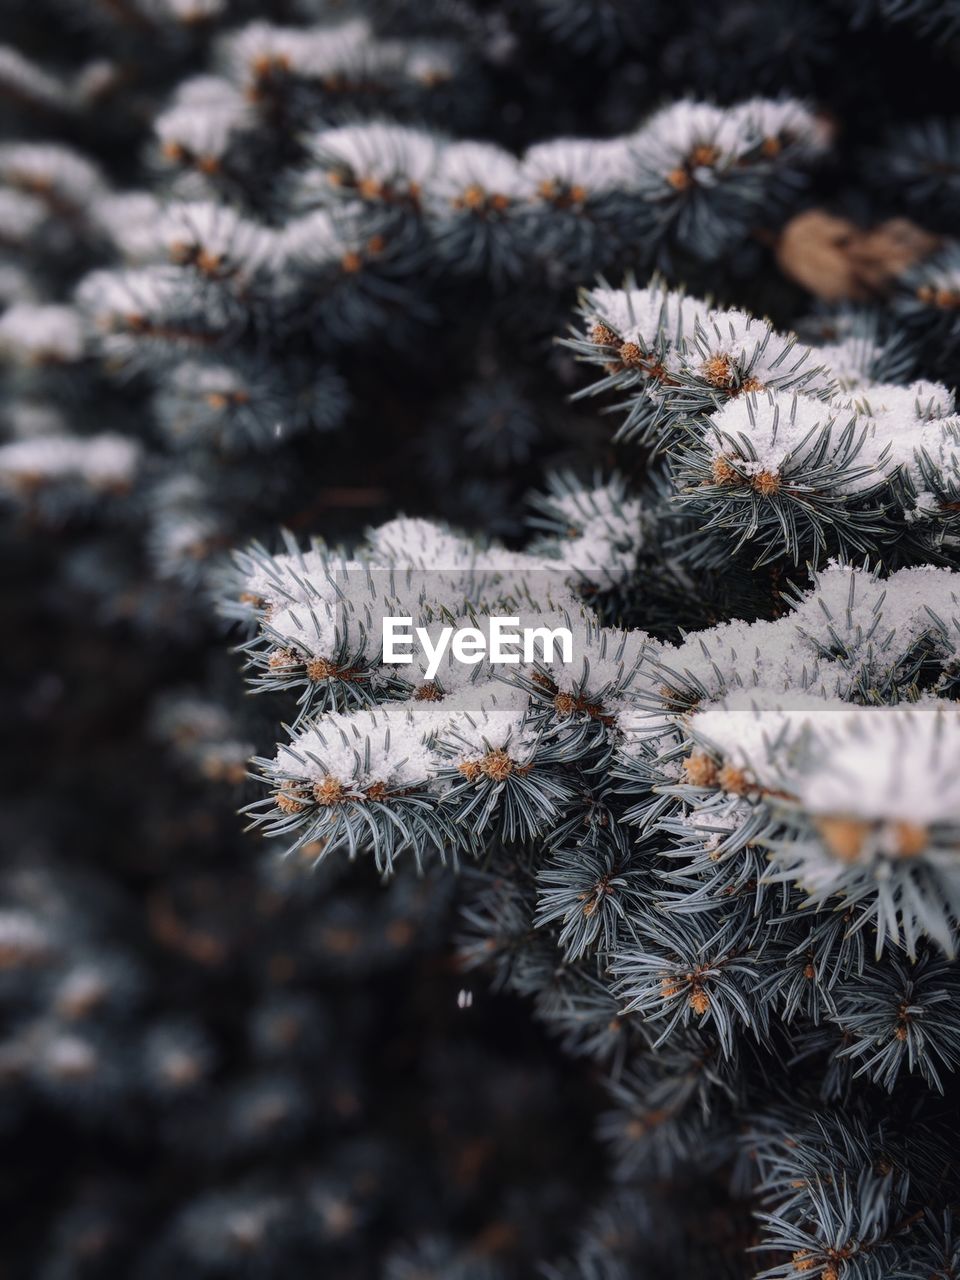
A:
635	966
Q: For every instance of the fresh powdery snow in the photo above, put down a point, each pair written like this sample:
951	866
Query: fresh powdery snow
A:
885	763
102	461
205	114
498	724
396	743
646	316
764	431
874	431
763	119
755	350
229	241
390	155
30	333
674	132
597	166
481	165
605	532
361	748
730	733
758	730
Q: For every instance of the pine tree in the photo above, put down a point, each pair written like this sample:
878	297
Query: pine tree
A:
620	966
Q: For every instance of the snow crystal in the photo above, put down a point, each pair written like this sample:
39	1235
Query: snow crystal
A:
605	531
384	744
605	661
849	360
646	316
498	724
755	349
420	544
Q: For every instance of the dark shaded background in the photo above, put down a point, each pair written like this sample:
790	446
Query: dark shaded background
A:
415	1117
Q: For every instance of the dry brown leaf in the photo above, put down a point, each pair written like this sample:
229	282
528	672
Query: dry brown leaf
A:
839	261
889	249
